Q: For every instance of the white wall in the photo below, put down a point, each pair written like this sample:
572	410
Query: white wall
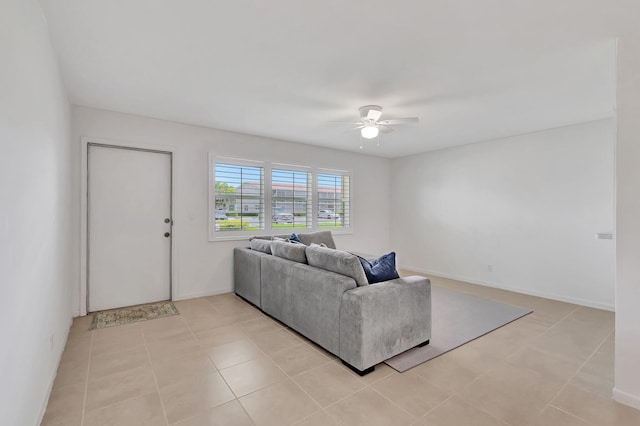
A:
35	214
204	267
529	205
627	383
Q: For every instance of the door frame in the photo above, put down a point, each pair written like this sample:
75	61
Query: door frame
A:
83	293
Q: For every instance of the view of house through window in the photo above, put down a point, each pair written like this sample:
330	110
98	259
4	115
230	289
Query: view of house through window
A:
291	205
239	197
297	198
333	200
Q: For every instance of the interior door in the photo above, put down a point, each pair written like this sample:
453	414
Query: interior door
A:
129	226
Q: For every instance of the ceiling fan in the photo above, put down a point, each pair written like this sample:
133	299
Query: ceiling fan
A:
370	124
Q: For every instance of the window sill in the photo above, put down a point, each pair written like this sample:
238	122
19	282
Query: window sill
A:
246	237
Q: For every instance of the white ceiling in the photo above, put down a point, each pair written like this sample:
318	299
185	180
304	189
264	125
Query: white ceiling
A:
471	71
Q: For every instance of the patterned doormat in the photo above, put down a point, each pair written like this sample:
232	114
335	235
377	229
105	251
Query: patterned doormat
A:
131	314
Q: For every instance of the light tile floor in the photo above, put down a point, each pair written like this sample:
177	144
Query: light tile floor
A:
223	362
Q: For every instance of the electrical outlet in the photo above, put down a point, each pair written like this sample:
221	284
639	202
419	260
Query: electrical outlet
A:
489	268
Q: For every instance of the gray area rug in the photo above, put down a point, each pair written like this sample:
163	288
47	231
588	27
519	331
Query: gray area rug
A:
457	318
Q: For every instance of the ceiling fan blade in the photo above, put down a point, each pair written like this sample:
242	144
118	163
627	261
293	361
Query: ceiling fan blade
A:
374	114
400	120
384	129
346	122
356	128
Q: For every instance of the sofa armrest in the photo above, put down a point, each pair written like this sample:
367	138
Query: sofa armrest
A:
382	320
247	274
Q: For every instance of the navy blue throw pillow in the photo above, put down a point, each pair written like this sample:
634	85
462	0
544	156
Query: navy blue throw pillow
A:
294	237
381	269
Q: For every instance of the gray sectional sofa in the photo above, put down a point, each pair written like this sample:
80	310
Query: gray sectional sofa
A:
323	294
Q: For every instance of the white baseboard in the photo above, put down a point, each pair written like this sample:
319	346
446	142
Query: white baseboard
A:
626	398
530	292
201	294
52	378
189	296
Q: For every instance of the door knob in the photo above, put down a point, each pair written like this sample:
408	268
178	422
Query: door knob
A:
167	220
166	234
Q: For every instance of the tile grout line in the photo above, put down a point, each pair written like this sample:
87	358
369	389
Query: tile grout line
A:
286	375
550	403
470	403
571	414
411	416
86	382
455	394
436	406
155	379
321	408
348	395
327	360
236	398
113	404
551	327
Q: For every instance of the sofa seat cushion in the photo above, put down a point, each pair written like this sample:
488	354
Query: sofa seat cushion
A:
380	269
295	252
337	261
318	238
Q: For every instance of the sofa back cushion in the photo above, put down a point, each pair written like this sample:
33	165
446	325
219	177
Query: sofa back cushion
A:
337	261
261	245
291	251
269	237
318	238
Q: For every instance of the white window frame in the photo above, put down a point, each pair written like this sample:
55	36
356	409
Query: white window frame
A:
267	167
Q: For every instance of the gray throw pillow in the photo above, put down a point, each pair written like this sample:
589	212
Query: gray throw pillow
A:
295	252
337	261
259	244
320	237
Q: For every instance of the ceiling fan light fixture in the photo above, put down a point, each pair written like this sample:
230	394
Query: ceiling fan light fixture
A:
371	124
369	132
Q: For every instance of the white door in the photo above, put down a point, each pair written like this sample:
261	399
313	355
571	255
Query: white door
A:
129	226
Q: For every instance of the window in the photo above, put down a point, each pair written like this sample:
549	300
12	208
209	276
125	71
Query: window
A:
248	198
333	201
239	197
291	203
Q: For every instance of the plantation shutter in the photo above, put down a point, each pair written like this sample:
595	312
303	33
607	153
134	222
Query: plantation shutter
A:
239	194
291	193
334	195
